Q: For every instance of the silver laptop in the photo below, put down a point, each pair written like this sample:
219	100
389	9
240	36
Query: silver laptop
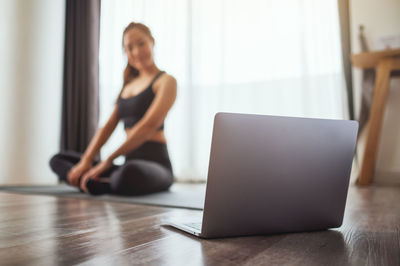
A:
272	174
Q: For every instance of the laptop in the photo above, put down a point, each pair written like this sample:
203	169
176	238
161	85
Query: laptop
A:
273	174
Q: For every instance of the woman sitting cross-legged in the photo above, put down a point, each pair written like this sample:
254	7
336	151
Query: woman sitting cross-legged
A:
143	103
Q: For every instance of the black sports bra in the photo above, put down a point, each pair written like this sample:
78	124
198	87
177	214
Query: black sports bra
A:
132	109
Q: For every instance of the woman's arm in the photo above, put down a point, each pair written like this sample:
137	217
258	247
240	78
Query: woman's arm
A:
101	136
165	96
95	144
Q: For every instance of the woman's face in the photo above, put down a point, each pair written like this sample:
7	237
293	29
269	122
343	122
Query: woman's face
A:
138	47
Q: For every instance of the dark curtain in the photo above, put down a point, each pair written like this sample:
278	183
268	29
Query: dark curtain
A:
344	19
80	103
368	84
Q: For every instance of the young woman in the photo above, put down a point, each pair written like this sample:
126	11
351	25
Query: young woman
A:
143	103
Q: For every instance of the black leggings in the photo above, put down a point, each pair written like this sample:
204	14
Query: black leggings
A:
146	170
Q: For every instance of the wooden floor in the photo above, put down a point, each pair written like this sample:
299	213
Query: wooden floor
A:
45	230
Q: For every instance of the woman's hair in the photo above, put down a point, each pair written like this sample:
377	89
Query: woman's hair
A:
130	72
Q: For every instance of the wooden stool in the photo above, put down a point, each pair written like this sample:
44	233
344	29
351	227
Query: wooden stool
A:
385	63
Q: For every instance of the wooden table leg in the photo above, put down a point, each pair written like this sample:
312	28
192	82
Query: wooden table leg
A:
375	121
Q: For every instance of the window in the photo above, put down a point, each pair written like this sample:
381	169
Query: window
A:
254	56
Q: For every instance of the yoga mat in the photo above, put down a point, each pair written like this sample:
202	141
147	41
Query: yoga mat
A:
178	196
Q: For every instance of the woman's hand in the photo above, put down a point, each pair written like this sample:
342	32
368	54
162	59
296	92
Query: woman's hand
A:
94	172
77	171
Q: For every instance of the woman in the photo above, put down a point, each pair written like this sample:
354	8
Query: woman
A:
143	103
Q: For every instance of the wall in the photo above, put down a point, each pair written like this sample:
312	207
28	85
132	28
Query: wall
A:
32	40
380	18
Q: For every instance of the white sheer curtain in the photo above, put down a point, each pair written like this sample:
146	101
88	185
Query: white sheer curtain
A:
249	56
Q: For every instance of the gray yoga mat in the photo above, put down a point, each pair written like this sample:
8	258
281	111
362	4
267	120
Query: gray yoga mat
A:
178	196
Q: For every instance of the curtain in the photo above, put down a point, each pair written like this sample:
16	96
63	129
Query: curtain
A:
344	18
80	108
368	84
254	56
